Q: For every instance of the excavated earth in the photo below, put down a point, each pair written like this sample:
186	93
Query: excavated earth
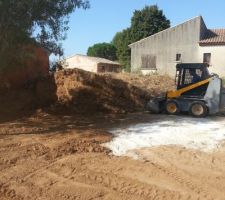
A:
81	92
51	137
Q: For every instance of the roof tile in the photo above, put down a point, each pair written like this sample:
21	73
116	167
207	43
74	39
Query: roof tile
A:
214	37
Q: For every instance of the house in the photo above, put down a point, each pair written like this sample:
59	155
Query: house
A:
92	64
189	42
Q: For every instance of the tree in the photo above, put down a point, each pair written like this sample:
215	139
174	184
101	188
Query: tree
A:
103	50
147	22
121	41
144	23
27	21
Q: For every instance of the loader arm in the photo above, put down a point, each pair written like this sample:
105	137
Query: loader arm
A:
178	93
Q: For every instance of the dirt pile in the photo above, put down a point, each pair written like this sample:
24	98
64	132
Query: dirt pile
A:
81	91
20	102
78	91
154	84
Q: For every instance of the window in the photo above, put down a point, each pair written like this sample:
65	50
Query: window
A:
207	58
101	69
188	76
192	76
178	57
148	62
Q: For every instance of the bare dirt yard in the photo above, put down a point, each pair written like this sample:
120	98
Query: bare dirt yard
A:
62	155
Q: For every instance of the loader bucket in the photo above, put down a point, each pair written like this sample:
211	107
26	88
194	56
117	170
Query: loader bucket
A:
156	105
222	101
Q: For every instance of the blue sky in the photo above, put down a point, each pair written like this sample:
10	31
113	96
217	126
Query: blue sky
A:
106	17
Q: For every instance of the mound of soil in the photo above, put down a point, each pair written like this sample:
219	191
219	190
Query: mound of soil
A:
77	91
24	101
86	92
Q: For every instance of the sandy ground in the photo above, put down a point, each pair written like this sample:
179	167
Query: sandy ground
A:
49	157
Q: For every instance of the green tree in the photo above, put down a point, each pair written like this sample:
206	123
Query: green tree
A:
103	50
144	23
147	22
121	41
28	21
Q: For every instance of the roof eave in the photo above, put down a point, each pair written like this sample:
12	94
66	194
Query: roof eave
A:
139	41
102	63
211	43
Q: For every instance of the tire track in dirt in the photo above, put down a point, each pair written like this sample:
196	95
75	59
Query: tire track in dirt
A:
60	187
45	181
186	180
125	185
22	156
7	192
207	166
180	177
121	184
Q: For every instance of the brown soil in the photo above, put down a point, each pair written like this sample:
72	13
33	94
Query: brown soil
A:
81	92
61	158
77	91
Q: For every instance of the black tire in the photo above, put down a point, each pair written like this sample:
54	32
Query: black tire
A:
172	107
198	109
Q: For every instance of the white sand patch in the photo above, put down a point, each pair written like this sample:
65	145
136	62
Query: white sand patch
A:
203	134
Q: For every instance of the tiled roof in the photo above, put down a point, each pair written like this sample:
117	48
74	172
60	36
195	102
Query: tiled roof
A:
214	37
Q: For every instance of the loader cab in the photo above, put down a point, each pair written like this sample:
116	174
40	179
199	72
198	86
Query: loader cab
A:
192	73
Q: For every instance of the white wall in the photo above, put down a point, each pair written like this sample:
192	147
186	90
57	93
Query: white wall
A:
165	45
149	71
217	58
80	63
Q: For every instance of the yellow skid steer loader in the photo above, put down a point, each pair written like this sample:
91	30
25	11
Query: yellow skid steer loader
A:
198	92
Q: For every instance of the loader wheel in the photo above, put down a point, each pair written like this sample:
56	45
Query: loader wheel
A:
198	109
172	107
